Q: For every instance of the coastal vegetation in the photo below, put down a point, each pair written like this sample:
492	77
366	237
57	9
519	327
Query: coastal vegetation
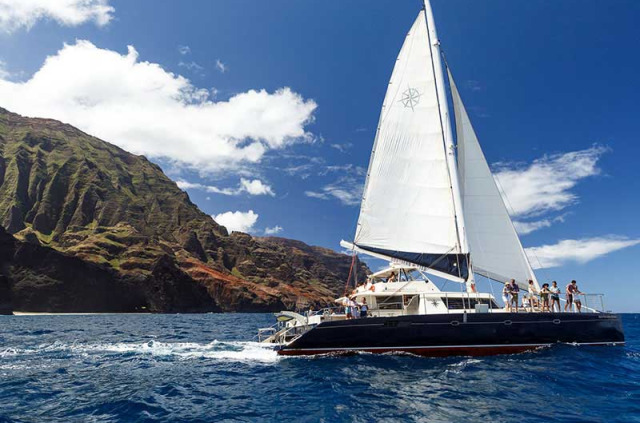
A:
89	227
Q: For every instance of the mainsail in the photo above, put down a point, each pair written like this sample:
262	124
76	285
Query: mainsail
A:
496	251
411	207
421	206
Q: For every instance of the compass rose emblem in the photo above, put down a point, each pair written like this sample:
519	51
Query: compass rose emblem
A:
410	98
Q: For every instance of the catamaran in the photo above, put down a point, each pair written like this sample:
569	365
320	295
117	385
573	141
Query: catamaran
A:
431	206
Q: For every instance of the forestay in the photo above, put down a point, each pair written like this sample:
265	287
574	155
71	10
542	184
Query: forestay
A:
408	210
496	251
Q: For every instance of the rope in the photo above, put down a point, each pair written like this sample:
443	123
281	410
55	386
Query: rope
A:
353	260
511	212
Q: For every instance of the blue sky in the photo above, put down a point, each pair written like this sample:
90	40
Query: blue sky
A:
272	107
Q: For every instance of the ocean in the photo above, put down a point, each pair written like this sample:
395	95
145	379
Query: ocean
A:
207	368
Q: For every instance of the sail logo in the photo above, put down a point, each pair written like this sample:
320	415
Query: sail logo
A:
410	98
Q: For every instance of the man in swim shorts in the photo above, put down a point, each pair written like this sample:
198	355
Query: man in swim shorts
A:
571	291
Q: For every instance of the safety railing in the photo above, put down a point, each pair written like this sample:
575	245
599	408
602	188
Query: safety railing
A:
590	302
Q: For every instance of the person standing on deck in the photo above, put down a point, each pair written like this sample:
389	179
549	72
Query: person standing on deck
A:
515	289
355	310
555	296
364	308
544	297
533	293
506	296
571	291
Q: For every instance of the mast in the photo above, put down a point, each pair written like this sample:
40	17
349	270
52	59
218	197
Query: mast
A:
434	46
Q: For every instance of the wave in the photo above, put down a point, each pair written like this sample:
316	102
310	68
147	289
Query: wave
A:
250	352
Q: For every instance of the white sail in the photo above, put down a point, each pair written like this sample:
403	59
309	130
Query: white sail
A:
496	251
409	209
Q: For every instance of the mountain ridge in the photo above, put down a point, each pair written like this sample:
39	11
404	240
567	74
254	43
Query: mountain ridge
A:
65	190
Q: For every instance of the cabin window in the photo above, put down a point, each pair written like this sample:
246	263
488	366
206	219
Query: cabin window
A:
389	303
468	303
408	299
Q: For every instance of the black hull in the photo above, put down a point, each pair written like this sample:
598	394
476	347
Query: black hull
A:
454	334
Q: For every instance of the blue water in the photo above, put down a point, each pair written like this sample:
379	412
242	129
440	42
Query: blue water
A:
203	368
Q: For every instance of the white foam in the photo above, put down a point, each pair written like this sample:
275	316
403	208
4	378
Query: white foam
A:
230	351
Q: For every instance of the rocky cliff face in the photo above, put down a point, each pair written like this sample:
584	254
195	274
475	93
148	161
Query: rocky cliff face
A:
98	229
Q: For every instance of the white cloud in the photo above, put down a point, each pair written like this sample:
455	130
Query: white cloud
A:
474	85
251	187
342	147
255	187
272	231
524	228
347	189
192	66
576	250
221	66
184	50
315	194
184	185
4	73
145	109
546	184
15	14
237	221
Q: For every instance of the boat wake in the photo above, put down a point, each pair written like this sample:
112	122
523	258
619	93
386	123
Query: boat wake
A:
249	352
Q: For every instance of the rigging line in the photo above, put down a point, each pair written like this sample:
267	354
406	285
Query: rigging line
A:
511	211
353	259
444	141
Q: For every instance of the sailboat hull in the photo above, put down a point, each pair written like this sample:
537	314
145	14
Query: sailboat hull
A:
456	334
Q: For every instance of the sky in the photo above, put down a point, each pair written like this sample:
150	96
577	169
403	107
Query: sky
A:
265	112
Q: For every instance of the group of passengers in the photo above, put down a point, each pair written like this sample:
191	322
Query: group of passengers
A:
546	299
369	285
355	310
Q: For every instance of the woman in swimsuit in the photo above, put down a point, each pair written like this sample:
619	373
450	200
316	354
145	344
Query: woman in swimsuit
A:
506	296
544	296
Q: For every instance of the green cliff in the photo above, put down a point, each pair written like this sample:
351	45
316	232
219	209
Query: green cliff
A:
96	228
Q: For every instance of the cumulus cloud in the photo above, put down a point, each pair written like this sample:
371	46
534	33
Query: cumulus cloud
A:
272	231
251	187
255	187
546	184
16	14
237	221
184	50
576	250
145	109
